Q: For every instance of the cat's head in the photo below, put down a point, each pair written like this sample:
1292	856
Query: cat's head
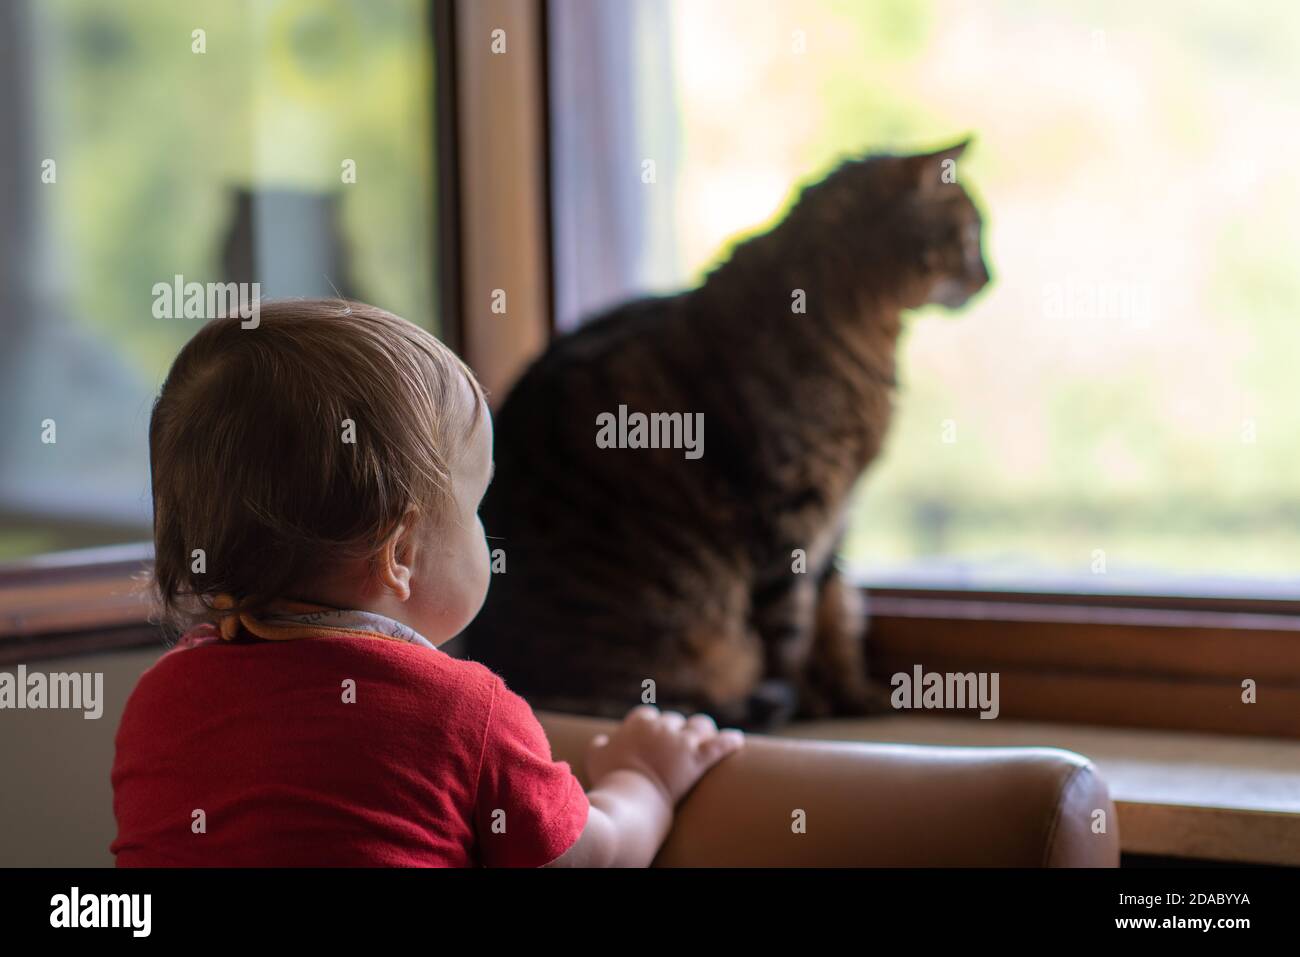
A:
948	228
918	207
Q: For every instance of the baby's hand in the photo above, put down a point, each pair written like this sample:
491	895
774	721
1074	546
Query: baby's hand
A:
672	751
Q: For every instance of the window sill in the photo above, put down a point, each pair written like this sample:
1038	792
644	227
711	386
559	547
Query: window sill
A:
1178	794
74	592
1159	664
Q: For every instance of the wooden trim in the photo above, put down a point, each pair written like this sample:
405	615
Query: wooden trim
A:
75	591
1133	667
1088	599
95	641
548	178
451	316
58	566
1210	833
504	236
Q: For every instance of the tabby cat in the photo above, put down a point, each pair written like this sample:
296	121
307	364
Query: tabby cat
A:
625	566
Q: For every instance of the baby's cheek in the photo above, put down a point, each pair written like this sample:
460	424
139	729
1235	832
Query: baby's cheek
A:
474	571
484	563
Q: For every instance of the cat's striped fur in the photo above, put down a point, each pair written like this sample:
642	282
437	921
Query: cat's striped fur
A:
631	565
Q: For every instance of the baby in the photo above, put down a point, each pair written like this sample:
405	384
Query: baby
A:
315	486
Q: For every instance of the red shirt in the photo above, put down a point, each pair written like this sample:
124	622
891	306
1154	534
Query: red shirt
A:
435	763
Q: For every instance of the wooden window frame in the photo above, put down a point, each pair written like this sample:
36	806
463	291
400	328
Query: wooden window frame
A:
492	222
1142	661
1138	661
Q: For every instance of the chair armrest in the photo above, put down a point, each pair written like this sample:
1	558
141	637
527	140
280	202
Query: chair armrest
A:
879	805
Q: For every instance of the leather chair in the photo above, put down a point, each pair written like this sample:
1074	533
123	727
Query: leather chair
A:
879	805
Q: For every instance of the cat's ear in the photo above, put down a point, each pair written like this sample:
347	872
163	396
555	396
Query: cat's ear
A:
934	170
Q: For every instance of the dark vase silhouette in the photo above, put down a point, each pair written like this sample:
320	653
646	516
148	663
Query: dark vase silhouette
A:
290	241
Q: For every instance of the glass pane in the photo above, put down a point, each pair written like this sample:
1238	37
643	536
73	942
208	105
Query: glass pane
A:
1117	410
285	143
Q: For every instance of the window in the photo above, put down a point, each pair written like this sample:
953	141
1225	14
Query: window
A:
1116	412
1123	388
1002	526
289	144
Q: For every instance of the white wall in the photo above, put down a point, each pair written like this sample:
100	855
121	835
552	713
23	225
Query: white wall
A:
56	802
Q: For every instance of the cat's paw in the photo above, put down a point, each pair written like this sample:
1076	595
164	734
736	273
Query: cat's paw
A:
772	704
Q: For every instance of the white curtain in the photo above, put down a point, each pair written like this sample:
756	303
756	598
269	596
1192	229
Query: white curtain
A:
613	107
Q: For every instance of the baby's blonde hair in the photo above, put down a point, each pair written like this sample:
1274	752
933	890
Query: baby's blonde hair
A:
250	456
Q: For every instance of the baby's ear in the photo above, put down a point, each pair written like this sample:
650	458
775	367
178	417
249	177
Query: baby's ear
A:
396	559
931	171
